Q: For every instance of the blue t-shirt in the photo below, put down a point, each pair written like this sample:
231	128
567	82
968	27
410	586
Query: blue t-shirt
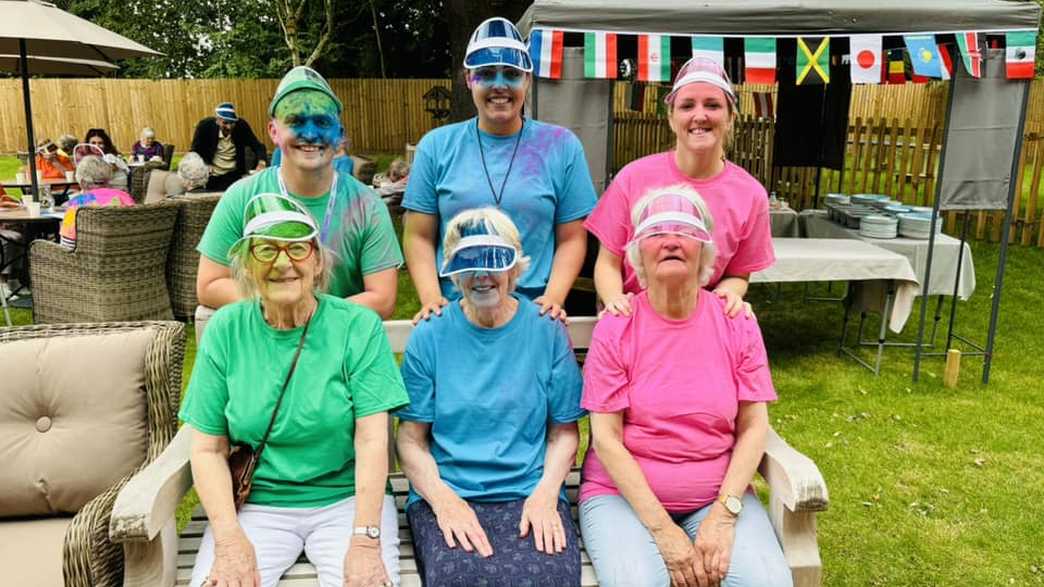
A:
549	184
341	163
489	395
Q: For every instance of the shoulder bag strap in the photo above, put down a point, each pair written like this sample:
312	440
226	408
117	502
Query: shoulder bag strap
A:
290	374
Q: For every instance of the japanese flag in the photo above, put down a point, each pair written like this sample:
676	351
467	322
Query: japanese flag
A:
866	59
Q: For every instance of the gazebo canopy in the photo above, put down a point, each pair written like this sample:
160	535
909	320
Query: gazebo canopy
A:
782	17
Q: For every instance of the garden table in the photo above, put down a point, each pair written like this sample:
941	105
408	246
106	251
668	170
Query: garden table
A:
35	225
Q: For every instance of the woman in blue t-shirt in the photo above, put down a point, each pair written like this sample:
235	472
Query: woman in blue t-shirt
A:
490	433
533	171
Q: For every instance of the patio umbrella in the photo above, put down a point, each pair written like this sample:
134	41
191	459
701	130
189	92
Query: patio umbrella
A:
44	36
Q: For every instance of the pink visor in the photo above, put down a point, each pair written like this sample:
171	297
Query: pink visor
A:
701	70
672	214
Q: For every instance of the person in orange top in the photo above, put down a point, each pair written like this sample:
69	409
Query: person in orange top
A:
52	163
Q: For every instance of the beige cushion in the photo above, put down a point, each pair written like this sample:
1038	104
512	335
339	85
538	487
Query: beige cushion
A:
32	551
72	419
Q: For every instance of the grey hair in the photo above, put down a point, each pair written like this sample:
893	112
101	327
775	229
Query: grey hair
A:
193	171
148	132
239	266
708	251
68	143
93	172
495	222
398	169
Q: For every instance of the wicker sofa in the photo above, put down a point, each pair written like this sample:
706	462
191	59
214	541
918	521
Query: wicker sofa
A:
194	211
85	407
116	272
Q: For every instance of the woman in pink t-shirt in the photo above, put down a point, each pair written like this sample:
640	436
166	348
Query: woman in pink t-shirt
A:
677	393
701	112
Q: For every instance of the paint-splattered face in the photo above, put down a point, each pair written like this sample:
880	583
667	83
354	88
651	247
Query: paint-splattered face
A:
498	92
307	127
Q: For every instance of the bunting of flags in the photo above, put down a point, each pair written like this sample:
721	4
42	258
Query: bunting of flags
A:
759	59
545	49
600	55
869	62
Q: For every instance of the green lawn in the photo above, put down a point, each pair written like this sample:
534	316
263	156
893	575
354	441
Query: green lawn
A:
928	486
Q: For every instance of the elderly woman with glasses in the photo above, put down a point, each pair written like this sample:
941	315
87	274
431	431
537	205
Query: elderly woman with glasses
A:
491	430
317	373
94	176
677	392
147	147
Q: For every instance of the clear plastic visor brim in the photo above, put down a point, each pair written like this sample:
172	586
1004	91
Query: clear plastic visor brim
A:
489	258
492	56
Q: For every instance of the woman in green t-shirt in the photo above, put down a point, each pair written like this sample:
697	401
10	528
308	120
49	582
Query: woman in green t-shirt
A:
324	368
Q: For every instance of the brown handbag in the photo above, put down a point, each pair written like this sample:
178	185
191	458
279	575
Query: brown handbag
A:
242	458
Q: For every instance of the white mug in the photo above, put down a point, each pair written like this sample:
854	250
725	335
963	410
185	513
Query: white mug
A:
39	176
33	208
70	176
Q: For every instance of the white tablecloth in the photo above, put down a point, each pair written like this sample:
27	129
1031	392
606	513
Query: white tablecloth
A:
944	261
845	259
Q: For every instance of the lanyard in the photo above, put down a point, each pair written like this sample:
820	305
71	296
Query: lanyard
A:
328	216
478	137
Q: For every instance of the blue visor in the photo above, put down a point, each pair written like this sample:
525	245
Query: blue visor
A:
483	252
490	56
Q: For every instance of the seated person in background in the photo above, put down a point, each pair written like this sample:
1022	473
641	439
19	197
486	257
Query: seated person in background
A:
66	144
147	148
94	176
394	180
491	430
305	122
50	162
342	162
677	392
120	172
228	145
191	176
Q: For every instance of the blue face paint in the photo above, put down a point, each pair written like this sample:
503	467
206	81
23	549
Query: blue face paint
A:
500	76
311	117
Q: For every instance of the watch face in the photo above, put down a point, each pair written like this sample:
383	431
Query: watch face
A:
373	532
733	504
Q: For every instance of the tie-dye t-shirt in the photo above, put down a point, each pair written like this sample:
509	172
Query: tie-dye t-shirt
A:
95	197
549	184
361	233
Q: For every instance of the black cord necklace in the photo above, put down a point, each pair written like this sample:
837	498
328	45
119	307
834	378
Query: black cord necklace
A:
478	136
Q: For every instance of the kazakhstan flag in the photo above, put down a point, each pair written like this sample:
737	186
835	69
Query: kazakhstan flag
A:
924	55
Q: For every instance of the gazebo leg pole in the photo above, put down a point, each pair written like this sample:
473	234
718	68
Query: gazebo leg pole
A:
27	101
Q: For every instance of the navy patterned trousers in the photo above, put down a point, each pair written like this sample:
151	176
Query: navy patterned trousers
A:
515	562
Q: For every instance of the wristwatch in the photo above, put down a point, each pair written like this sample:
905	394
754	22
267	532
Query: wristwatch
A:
733	504
368	531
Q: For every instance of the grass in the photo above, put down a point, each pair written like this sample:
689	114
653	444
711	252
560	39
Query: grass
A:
928	485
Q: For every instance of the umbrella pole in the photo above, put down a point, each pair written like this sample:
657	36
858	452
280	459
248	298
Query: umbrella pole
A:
22	54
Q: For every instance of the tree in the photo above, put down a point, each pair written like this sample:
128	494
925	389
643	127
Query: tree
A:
293	20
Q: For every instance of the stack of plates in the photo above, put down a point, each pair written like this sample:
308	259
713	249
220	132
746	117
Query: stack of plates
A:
917	226
885	202
868	199
897	209
921	209
837	199
879	226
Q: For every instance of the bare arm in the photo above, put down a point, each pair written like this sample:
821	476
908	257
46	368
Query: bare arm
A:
752	426
214	284
570	248
420	233
562	441
608	278
381	289
371	467
734	288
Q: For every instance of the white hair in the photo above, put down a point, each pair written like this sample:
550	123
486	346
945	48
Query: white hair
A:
708	251
193	171
93	172
495	222
148	132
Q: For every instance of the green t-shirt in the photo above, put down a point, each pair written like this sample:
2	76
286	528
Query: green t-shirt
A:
346	371
361	231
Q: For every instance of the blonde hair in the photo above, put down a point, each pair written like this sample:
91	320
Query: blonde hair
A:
708	251
240	260
495	222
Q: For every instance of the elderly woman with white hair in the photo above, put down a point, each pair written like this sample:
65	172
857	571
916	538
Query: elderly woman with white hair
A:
94	175
309	396
677	392
491	430
147	147
192	175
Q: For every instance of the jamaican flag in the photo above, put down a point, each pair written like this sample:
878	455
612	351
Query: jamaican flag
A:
813	60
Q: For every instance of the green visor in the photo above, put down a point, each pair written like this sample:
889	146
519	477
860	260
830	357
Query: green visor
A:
276	217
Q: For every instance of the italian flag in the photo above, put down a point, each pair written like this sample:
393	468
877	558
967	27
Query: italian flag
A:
712	48
654	58
1019	55
970	53
545	49
759	58
600	55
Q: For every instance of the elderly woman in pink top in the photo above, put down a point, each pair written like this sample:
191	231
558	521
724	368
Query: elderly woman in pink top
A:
701	110
677	393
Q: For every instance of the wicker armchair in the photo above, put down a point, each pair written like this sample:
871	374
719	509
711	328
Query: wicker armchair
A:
183	261
70	543
139	179
116	272
168	157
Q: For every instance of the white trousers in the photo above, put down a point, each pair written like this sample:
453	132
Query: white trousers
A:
279	535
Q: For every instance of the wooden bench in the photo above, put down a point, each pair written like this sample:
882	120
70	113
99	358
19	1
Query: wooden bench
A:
143	515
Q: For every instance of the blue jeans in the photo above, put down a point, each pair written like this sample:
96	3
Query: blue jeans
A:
624	553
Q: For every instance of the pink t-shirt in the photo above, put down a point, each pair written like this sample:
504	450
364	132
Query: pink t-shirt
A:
737	202
678	384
